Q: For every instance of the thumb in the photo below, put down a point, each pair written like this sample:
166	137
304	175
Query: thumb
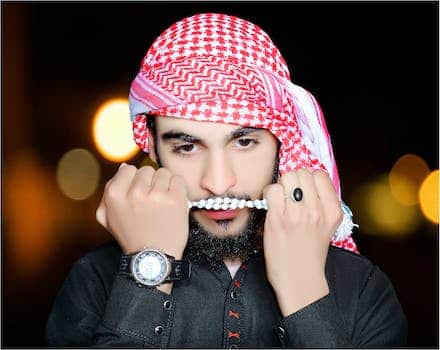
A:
101	215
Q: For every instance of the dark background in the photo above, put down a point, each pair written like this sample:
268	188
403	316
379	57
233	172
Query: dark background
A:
372	66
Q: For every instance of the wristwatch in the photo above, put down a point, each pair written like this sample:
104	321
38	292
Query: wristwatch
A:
151	267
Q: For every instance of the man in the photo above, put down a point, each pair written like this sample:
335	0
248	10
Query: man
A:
240	238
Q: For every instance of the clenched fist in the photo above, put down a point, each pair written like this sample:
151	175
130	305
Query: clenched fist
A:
146	209
297	236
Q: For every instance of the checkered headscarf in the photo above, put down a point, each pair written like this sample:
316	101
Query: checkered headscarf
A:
220	68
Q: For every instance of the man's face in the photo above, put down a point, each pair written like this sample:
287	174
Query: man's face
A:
217	160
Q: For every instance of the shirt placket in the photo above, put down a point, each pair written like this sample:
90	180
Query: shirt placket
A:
234	311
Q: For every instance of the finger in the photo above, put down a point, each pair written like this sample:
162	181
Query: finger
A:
123	176
161	180
178	185
274	195
101	211
327	194
101	215
310	192
117	189
141	182
290	181
107	184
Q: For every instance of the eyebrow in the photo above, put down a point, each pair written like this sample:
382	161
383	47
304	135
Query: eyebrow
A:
242	132
179	135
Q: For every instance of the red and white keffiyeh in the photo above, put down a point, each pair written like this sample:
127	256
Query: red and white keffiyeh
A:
220	68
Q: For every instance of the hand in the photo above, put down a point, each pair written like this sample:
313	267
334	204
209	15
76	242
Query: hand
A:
146	209
297	237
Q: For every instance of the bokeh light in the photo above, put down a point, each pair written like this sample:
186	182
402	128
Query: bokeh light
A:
405	178
31	213
112	131
78	174
378	212
429	197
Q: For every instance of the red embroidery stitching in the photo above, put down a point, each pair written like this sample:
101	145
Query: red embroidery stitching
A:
237	283
235	335
234	314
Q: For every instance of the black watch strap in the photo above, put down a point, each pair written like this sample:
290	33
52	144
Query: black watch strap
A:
180	269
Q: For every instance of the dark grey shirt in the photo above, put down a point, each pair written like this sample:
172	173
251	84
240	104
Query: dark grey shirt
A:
99	306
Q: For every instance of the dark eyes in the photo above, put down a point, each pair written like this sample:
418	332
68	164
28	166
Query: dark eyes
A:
243	143
187	147
184	150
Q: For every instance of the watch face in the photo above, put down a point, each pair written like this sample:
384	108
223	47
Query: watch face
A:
150	267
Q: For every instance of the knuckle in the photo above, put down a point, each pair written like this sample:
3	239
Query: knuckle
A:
267	191
304	173
136	194
272	217
107	184
112	192
338	215
162	172
129	167
166	200
99	215
273	222
147	170
320	173
154	194
158	198
274	189
314	217
288	177
292	220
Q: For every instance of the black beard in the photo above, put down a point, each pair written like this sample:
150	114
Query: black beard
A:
203	248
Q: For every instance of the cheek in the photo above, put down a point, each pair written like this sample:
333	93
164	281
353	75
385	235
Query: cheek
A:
255	173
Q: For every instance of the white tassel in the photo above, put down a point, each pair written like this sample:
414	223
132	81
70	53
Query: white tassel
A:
345	229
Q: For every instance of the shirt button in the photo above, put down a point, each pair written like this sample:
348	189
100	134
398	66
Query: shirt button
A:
158	330
233	346
167	305
280	331
234	295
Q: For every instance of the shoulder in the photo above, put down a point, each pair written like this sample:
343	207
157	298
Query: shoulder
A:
348	271
343	259
345	269
366	297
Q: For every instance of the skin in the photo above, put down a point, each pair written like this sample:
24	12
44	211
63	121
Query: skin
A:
218	164
147	208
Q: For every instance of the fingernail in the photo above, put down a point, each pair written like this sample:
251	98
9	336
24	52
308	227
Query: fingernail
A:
122	165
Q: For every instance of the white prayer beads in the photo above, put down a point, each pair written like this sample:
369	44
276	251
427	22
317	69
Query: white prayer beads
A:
226	203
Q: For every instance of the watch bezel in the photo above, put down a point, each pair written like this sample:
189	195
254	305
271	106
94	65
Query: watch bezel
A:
141	279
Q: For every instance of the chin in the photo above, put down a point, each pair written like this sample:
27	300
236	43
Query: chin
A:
223	228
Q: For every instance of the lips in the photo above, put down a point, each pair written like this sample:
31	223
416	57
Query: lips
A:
221	214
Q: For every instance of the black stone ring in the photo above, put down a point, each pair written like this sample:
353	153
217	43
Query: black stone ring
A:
297	194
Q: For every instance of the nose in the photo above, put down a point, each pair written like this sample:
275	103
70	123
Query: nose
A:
218	174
